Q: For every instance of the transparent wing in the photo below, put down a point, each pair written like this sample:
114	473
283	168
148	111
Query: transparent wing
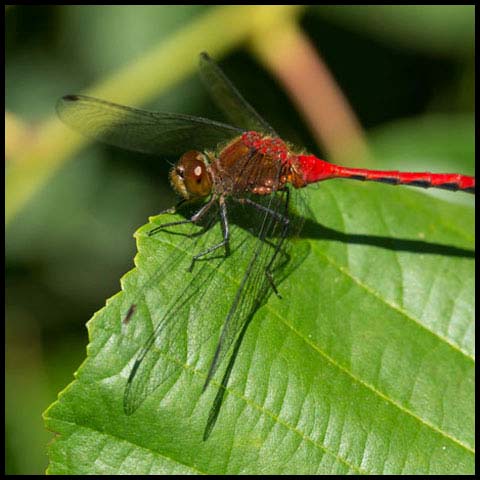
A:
229	99
165	353
140	130
269	231
172	308
180	321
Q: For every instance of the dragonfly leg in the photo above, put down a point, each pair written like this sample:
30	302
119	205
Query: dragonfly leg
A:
195	218
226	236
284	220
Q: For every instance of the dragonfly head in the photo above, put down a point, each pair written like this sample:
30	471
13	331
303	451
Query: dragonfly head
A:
190	177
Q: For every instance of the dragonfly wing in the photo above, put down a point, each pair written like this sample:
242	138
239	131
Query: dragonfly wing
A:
140	130
140	384
165	351
229	99
155	363
254	287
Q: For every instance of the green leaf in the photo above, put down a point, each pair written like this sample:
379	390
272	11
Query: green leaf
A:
365	365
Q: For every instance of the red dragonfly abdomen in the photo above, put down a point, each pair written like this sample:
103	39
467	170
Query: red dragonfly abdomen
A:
311	169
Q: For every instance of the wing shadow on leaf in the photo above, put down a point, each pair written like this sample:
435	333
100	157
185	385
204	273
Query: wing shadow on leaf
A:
314	230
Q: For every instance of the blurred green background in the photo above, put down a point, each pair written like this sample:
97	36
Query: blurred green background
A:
407	71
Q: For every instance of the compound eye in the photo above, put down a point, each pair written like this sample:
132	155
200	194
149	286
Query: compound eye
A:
197	178
191	177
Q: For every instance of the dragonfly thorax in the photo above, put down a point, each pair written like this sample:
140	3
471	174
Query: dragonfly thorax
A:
252	163
190	177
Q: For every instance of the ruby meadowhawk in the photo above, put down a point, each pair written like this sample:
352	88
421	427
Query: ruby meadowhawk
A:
222	167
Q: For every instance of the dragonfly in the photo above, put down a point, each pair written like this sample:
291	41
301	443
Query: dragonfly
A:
223	167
